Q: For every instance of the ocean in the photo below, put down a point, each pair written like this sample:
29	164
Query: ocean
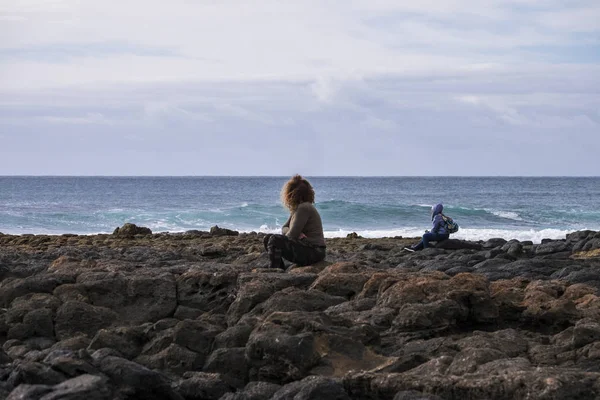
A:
523	208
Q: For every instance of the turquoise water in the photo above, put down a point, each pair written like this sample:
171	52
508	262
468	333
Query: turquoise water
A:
522	208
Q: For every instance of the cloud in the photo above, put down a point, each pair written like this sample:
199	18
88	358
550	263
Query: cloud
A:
90	118
383	78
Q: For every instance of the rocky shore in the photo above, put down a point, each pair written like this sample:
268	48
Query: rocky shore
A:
136	315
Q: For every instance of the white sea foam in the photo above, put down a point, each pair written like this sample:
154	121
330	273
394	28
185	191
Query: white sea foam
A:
535	236
507	214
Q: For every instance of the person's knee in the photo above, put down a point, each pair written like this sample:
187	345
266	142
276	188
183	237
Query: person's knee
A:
266	241
276	241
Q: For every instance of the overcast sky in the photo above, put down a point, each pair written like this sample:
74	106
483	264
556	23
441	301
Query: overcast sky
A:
318	87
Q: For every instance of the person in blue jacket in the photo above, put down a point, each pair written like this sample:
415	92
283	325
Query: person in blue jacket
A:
438	230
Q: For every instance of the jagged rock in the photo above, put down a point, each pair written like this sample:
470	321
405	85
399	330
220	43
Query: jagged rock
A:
29	392
415	395
173	359
207	291
74	318
509	320
494	242
68	363
231	361
127	341
256	288
312	388
551	247
34	373
455	244
204	386
234	336
287	346
216	231
353	235
20	287
136	380
130	230
254	391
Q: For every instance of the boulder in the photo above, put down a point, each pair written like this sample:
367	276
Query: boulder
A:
203	386
456	244
254	391
231	362
312	388
216	231
130	230
137	381
73	318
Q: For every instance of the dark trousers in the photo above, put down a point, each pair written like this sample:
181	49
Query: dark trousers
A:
280	247
430	237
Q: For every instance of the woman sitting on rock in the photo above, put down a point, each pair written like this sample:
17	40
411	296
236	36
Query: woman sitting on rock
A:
438	230
302	241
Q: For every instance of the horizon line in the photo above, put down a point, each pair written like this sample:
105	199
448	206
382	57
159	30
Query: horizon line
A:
286	176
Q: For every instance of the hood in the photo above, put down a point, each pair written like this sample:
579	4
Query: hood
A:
437	209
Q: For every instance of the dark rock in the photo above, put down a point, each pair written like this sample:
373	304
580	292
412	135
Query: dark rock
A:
353	235
138	298
235	336
183	312
136	380
440	322
494	242
89	387
256	288
493	253
551	247
415	395
20	287
196	233
592	244
34	373
212	251
513	248
74	318
579	235
230	362
127	341
35	323
216	231
29	392
374	246
293	299
203	386
130	230
586	332
312	388
207	291
456	244
197	336
174	359
68	363
254	391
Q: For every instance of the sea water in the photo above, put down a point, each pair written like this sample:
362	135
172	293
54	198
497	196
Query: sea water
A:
525	208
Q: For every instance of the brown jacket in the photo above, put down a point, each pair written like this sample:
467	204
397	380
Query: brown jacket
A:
305	220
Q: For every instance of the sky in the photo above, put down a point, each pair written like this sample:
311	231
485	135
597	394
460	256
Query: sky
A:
317	87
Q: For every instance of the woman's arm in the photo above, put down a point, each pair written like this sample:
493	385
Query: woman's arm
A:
297	222
286	227
437	223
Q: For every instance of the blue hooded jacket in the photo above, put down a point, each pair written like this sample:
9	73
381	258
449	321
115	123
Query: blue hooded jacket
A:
439	226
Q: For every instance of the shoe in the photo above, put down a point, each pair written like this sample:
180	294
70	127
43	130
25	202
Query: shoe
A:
410	249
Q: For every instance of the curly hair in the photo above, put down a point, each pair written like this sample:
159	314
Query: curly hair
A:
296	191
